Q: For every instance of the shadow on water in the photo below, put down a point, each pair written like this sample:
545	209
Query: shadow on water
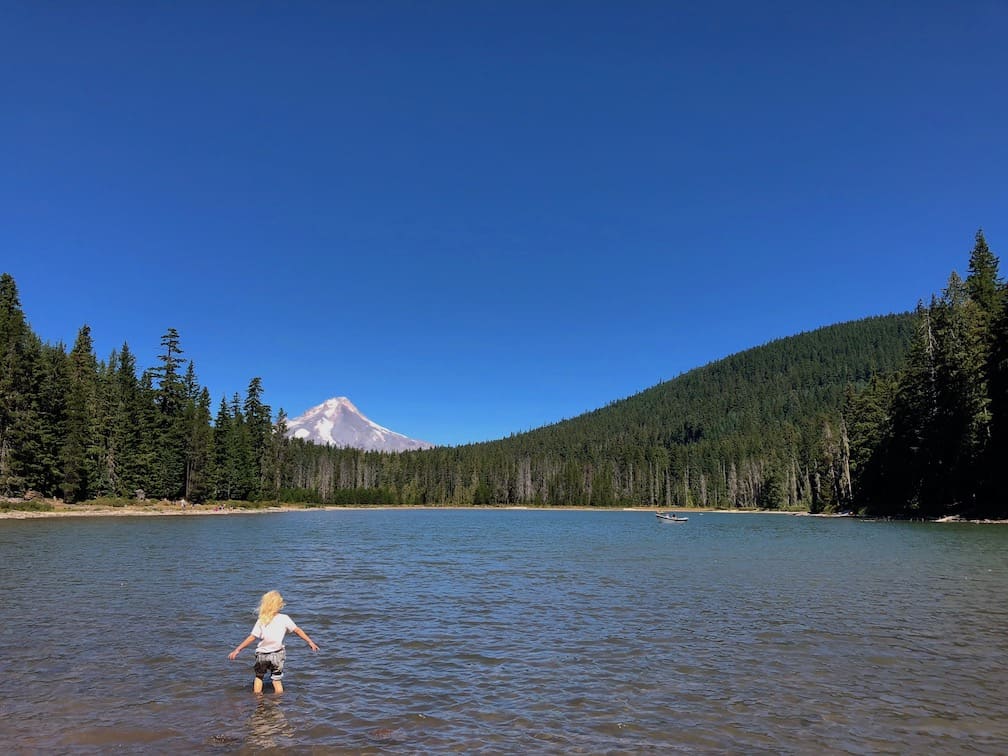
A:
245	722
268	726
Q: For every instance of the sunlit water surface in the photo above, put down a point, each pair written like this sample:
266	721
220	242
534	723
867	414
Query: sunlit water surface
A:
507	632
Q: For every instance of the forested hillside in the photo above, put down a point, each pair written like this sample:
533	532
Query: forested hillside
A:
759	428
899	414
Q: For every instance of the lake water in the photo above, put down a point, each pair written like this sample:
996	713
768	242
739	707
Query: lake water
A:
498	631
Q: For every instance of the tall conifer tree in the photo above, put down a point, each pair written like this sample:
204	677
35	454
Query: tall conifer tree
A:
275	470
199	447
223	472
79	453
19	351
168	480
962	403
983	283
995	475
50	412
107	480
132	426
259	426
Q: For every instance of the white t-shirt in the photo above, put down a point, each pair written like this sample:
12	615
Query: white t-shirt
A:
271	634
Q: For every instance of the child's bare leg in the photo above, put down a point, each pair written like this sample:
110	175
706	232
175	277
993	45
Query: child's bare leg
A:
257	685
277	686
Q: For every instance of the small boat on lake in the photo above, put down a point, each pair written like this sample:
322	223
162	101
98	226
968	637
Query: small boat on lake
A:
670	517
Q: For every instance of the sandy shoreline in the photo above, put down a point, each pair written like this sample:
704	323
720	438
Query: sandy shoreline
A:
172	509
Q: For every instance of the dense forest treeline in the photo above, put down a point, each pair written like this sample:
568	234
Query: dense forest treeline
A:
899	414
760	428
77	428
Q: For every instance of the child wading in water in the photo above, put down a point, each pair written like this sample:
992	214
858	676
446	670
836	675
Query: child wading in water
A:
270	631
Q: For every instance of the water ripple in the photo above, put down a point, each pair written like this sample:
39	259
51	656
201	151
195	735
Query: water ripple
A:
510	632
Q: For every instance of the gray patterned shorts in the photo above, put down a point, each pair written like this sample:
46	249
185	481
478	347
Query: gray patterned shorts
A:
271	662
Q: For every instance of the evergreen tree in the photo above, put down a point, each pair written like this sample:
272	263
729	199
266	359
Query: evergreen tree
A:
959	417
168	474
983	283
870	411
18	353
171	390
149	423
987	294
44	447
260	428
240	452
107	452
132	426
276	470
236	473
79	454
199	446
961	421
771	493
224	475
190	384
602	494
995	477
915	411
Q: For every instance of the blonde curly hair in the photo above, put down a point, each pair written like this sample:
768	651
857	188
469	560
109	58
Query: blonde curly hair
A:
269	606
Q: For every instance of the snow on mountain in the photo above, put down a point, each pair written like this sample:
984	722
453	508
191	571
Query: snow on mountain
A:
337	422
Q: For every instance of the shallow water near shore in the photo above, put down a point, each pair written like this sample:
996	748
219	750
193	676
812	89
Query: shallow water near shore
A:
500	631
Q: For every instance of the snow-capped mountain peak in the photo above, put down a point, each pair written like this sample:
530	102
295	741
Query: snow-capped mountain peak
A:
337	422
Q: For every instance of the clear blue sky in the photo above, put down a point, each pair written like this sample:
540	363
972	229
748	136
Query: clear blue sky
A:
474	218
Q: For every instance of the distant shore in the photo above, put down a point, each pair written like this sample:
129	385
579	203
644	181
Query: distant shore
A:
136	510
174	509
171	508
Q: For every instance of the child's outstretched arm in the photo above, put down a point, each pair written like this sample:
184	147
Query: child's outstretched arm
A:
304	636
246	642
